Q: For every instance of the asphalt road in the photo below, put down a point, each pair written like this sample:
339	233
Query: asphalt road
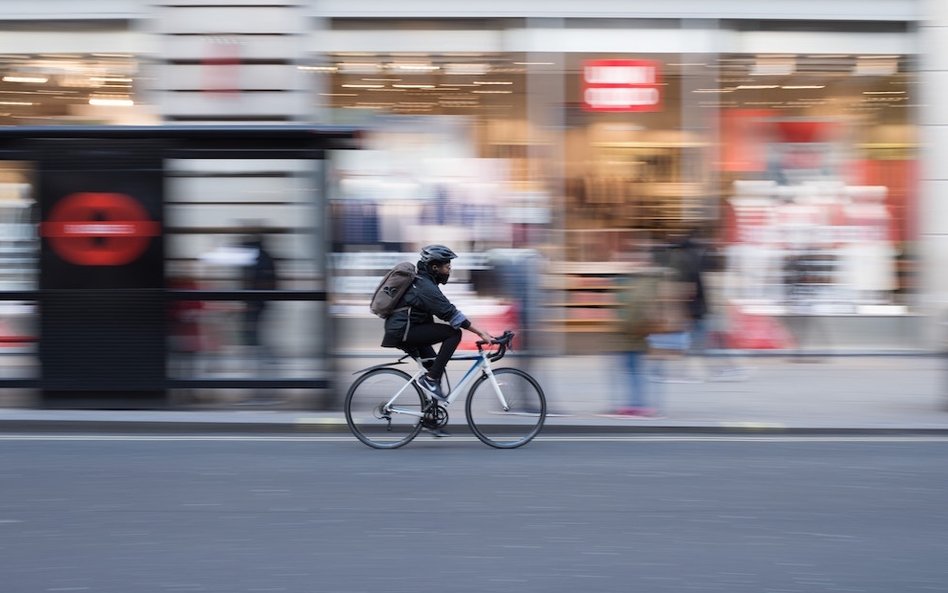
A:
330	515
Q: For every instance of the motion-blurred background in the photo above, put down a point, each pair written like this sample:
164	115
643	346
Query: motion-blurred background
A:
557	146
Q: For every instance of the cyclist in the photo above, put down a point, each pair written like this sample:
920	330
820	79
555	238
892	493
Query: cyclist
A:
412	327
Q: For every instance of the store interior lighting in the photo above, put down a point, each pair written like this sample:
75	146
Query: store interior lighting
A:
773	66
59	87
26	79
485	76
111	101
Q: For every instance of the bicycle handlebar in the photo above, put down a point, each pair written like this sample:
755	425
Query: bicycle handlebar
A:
503	343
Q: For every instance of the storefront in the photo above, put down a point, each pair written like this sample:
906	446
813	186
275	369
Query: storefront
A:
777	160
584	139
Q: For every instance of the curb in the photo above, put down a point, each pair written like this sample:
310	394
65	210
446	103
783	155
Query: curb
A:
322	426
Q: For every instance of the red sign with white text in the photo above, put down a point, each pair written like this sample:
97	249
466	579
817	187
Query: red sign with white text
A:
621	85
99	229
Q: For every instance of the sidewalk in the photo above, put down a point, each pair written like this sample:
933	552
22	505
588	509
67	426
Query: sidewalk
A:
779	394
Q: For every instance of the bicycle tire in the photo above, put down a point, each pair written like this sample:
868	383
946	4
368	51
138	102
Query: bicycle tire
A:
512	428
363	414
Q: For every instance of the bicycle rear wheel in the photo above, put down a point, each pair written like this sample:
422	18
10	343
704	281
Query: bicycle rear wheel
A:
520	422
375	424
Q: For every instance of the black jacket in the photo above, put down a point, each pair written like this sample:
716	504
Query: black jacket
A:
690	261
421	304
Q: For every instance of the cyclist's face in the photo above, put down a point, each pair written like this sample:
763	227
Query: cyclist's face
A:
442	271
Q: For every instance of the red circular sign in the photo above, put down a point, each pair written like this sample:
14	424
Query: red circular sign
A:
99	229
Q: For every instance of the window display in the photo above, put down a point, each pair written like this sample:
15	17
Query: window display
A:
795	166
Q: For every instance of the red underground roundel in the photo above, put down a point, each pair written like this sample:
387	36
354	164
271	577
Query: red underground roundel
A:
99	229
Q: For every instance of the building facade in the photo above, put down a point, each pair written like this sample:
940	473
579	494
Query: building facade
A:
788	135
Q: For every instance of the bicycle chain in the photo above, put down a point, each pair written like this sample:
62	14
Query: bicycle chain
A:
436	416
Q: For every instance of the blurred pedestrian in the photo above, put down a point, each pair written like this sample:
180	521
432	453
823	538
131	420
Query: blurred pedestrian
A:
259	274
640	317
692	259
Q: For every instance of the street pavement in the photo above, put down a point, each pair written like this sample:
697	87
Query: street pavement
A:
653	513
769	394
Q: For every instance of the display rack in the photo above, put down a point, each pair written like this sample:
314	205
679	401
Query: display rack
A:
664	184
586	295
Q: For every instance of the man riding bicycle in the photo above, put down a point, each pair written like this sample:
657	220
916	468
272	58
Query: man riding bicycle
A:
412	328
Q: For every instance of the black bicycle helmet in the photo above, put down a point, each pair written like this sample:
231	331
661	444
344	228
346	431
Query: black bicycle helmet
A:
436	254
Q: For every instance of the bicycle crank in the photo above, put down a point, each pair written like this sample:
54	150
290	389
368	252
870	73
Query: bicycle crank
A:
436	416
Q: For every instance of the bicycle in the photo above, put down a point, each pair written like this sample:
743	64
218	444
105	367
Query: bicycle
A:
505	408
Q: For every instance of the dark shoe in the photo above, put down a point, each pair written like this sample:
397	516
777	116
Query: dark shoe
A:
433	388
436	432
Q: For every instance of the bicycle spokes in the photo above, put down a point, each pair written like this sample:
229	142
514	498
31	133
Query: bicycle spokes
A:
372	415
508	411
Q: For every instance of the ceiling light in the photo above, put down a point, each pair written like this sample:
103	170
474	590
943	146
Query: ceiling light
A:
773	66
111	101
413	67
756	86
363	86
483	82
803	86
359	67
413	86
466	69
876	66
28	79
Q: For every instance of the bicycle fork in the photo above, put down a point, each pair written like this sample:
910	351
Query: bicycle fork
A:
497	390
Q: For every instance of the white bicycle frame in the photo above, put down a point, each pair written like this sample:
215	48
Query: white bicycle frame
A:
481	361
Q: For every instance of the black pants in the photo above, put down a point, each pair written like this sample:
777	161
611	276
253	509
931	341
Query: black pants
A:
420	339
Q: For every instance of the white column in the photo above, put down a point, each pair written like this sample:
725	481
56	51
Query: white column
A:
933	186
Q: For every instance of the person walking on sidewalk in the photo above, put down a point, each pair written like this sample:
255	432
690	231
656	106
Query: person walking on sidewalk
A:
412	327
691	259
641	316
260	274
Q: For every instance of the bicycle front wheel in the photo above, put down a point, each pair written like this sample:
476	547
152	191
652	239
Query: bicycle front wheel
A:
519	422
372	415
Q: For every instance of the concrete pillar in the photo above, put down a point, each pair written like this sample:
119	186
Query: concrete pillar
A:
546	111
933	186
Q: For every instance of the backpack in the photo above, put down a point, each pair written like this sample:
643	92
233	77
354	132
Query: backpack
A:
391	289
